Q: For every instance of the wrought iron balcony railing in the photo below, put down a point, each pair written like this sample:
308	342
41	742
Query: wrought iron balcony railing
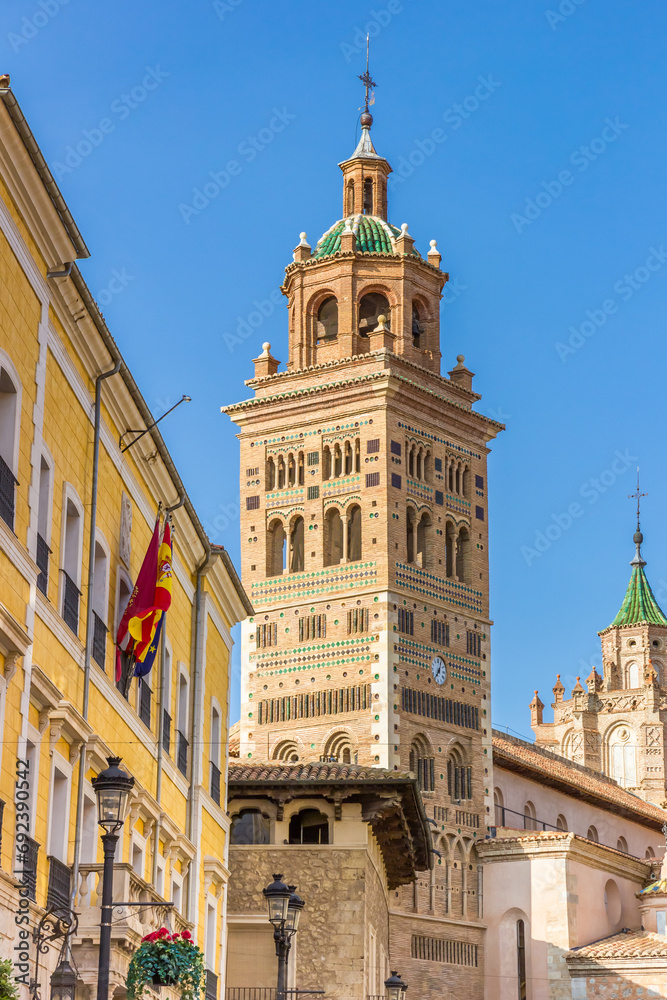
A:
60	883
42	560
29	866
215	783
99	640
182	753
8	482
71	598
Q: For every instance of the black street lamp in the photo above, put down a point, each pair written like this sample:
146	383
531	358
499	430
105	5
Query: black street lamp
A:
285	908
63	982
395	987
112	788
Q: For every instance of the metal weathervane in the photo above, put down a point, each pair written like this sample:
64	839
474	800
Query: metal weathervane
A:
637	495
367	80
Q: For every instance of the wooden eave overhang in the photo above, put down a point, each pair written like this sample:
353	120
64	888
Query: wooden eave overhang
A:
392	806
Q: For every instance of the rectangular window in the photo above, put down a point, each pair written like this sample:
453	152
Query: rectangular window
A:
357	620
252	503
479	513
396	480
438	464
439	632
372	479
473	644
479	482
313	492
312	627
266	635
439	498
395	447
313	458
406	621
252	472
372	446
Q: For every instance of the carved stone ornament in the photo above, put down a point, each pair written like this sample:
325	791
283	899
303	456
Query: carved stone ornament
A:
125	545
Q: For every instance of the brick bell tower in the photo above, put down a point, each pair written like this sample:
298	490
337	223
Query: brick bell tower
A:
364	552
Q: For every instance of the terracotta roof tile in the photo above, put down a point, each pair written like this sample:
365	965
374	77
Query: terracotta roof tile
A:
275	771
557	771
626	944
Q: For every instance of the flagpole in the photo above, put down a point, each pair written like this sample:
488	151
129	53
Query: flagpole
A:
160	724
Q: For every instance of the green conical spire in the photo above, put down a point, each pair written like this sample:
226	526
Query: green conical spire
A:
639	605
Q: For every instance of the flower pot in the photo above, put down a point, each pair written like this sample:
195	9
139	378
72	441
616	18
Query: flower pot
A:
159	980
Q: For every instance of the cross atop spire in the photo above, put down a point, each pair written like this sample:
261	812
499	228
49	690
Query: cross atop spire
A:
637	495
367	80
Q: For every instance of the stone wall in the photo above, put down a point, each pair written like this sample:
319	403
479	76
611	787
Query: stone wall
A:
343	895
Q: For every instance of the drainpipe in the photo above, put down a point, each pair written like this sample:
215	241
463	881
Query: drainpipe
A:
195	727
89	622
160	723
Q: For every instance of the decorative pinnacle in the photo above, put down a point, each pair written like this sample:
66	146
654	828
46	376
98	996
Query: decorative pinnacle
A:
637	538
370	85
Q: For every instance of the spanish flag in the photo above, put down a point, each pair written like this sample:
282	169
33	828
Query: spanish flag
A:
141	599
145	627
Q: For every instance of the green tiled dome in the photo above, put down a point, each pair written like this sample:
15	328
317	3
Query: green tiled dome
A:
373	235
639	605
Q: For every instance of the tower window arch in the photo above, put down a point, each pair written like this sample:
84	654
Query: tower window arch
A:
622	756
424	540
459	776
287	750
418	328
354	533
371	306
632	674
463	555
349	206
327	320
368	196
333	537
339	748
275	548
411	533
296	545
422	763
450	547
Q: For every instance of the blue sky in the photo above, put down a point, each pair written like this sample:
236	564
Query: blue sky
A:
546	195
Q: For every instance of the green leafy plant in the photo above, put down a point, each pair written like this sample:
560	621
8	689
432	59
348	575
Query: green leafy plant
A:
168	959
8	987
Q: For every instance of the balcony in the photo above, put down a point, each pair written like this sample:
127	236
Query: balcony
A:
523	822
215	783
8	482
182	753
128	921
145	696
42	560
60	883
166	731
71	597
211	986
99	640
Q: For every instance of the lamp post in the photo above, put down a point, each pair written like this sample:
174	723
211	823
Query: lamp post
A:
395	987
112	788
63	982
284	906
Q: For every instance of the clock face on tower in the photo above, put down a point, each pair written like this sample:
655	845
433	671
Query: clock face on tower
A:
439	669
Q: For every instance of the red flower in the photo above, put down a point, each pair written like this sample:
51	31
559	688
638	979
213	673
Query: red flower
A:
187	935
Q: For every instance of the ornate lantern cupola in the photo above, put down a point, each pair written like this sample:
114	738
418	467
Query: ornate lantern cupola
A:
365	177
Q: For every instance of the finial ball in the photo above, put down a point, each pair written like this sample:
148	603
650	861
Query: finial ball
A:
460	358
638	538
366	119
433	244
302	236
266	346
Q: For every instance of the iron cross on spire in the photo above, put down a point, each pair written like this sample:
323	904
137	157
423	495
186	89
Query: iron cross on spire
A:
367	80
637	495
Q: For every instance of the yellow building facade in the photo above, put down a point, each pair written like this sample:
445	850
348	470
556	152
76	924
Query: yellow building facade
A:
59	701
